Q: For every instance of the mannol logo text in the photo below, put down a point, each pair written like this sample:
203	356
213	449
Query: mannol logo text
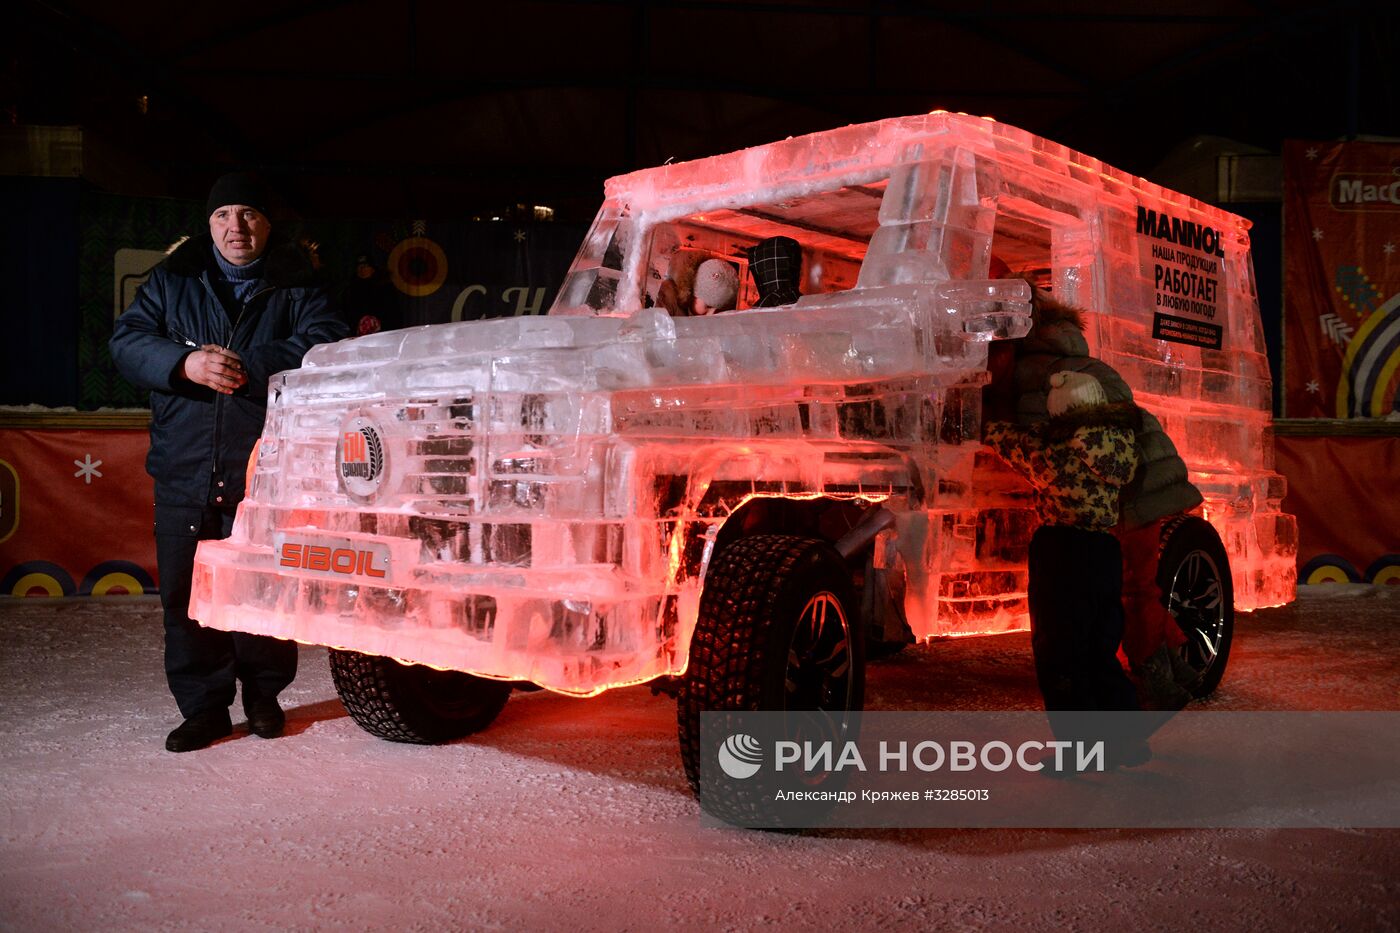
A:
740	756
1186	233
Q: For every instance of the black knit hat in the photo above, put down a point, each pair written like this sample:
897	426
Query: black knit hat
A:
238	188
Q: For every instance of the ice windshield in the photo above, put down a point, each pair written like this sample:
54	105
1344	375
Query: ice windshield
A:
832	228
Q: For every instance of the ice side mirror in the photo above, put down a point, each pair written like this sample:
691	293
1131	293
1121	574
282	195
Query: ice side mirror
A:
990	309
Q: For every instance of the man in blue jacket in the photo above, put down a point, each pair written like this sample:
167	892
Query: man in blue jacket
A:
215	320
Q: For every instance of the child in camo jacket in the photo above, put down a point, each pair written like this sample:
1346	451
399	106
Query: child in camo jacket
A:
1077	463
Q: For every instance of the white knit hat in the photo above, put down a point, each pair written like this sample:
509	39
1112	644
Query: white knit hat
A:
716	283
1073	390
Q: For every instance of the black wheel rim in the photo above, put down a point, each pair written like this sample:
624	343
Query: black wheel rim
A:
1198	605
818	675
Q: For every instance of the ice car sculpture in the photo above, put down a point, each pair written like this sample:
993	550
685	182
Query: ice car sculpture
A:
734	505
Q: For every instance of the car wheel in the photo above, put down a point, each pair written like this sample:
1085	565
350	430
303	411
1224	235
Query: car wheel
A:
1194	573
413	703
777	630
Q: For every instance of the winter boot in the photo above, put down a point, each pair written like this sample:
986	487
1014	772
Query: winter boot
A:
1157	686
1186	676
265	718
199	731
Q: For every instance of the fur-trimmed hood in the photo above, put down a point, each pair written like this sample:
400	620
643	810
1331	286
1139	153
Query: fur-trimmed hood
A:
1056	327
288	262
1123	415
1046	311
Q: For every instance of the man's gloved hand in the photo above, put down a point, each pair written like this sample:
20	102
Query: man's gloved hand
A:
215	367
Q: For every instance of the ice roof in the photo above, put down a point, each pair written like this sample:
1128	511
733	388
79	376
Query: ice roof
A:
859	158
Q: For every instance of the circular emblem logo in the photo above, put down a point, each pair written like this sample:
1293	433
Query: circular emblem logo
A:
417	267
360	461
740	756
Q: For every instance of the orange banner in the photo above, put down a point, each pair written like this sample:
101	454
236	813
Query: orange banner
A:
75	513
1341	235
1342	489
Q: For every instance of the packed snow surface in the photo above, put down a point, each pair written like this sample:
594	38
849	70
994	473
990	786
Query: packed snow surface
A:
574	814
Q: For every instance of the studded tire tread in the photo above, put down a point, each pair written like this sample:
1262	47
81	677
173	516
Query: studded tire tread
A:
739	649
394	701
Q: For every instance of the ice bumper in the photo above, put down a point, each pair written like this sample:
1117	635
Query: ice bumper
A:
576	630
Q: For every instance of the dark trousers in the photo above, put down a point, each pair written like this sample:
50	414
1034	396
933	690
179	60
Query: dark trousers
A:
202	664
1076	589
1149	625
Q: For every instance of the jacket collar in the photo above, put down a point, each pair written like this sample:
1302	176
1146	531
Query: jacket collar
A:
288	262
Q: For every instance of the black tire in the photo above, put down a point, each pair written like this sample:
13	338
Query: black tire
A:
777	630
1194	573
412	703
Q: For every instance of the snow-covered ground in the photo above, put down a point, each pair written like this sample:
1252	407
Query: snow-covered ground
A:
570	814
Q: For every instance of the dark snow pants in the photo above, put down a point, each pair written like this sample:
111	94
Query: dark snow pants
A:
1076	589
202	664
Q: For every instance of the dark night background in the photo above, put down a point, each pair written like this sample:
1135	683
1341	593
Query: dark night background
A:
369	116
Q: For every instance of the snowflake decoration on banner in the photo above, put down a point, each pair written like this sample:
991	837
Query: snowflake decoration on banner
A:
1388	248
1312	388
1317	233
1311	153
87	469
520	236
